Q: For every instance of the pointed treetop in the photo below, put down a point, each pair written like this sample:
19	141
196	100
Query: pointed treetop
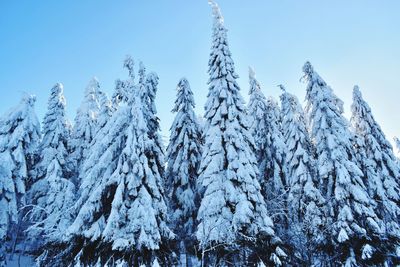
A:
255	86
184	98
129	64
28	99
58	90
92	86
282	88
397	142
218	18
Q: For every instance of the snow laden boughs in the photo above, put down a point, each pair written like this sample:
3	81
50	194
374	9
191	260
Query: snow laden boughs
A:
305	202
52	194
264	116
381	172
123	209
19	138
234	223
257	110
85	125
351	218
184	154
273	178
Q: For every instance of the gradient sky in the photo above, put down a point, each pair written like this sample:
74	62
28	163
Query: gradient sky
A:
348	42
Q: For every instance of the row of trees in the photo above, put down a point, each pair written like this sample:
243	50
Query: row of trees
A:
262	184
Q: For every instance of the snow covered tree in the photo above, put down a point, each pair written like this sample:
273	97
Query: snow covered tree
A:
147	87
19	138
184	154
123	214
381	172
257	110
353	224
234	223
52	194
305	201
270	147
264	116
85	126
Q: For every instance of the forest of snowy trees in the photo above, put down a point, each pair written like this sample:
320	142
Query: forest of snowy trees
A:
265	183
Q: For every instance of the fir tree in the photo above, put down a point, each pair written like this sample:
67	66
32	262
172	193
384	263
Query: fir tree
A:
184	154
124	214
85	126
234	222
52	194
379	166
270	148
257	110
305	202
353	223
19	138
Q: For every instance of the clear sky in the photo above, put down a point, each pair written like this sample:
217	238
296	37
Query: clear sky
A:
348	42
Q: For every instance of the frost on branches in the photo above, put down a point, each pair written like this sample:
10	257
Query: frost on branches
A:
184	154
52	194
381	172
305	202
19	138
123	207
234	221
353	223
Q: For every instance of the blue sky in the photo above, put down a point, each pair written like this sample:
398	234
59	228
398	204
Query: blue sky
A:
348	42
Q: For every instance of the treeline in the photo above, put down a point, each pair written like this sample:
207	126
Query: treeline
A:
262	184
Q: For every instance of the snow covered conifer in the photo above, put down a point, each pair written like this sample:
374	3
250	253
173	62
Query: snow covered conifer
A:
85	126
123	208
184	154
305	201
234	222
353	223
381	172
257	110
52	193
270	147
19	138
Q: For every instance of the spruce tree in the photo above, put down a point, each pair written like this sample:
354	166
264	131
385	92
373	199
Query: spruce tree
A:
19	138
353	223
305	201
85	126
270	147
184	154
381	172
52	194
234	223
123	213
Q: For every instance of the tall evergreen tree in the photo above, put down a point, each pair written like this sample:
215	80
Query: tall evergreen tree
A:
184	155
353	223
124	215
257	110
19	138
52	194
305	201
381	172
85	126
270	147
234	223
